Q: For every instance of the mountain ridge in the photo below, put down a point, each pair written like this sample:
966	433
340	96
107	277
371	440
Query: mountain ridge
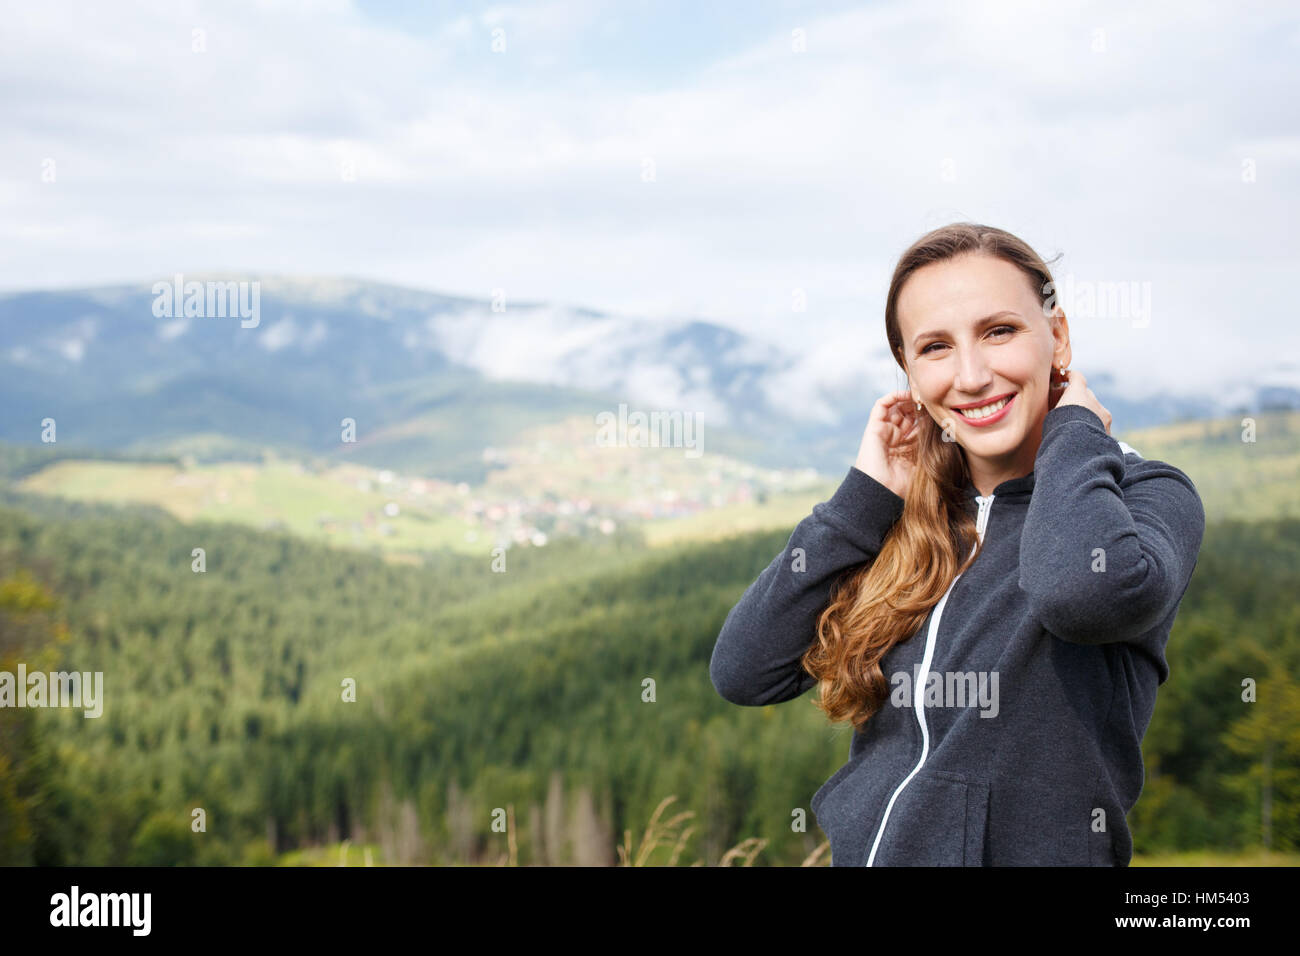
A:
327	349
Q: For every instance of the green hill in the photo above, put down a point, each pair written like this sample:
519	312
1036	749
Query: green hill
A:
517	695
553	464
1246	467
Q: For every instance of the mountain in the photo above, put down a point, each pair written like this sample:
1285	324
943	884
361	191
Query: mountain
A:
430	380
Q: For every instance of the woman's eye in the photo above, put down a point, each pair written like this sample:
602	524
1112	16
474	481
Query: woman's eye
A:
1000	328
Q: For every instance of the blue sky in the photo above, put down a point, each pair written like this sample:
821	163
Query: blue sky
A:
796	149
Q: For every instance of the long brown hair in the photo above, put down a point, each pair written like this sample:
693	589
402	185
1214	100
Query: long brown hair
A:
884	602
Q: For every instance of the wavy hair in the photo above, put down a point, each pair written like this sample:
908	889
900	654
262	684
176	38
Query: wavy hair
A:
884	602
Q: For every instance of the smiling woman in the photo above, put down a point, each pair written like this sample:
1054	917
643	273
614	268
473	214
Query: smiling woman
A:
973	330
988	501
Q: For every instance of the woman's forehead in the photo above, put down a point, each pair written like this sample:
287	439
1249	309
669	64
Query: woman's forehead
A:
962	292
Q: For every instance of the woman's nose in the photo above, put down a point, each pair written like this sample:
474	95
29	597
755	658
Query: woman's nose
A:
972	374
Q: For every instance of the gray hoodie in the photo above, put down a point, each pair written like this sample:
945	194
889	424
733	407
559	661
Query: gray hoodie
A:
1023	744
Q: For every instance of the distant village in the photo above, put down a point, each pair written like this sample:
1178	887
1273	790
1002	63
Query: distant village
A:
604	490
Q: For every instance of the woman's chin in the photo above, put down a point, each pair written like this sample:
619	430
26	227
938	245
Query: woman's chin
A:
995	443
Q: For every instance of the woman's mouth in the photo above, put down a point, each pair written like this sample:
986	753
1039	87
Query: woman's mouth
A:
987	414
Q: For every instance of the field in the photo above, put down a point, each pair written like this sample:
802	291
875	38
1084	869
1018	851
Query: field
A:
558	483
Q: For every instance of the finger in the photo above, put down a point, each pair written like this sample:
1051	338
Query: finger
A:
887	401
878	411
884	409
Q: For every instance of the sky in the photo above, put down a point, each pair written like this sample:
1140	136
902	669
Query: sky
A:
758	165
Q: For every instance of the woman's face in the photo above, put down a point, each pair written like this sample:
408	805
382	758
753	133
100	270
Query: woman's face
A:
974	331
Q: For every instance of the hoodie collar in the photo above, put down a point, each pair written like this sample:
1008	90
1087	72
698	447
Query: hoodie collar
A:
1013	487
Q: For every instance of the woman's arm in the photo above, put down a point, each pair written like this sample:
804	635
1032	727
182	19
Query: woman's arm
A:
1108	547
756	658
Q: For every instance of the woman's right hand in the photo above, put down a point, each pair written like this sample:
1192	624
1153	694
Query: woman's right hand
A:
890	441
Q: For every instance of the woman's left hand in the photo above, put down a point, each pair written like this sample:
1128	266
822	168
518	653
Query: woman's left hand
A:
1077	392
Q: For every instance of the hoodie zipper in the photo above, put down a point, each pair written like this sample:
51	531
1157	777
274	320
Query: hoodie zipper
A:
918	690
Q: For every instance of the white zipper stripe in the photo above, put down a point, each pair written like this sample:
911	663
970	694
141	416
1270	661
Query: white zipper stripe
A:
918	698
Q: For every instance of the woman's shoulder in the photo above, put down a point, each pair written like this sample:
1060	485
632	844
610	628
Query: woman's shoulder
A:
1153	473
1138	465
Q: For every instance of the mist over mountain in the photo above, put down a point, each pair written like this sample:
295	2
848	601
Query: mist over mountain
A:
429	379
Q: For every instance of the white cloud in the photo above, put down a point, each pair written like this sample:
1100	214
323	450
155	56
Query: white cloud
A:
173	329
279	335
774	170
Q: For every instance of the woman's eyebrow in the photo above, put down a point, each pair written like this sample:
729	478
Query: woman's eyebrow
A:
978	324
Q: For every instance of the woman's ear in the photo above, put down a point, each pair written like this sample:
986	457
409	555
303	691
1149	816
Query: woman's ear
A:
1060	339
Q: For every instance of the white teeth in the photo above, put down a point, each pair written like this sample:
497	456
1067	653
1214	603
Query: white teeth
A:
986	410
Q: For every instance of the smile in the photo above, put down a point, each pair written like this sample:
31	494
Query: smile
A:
987	414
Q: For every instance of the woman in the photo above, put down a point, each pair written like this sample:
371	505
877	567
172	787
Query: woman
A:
994	537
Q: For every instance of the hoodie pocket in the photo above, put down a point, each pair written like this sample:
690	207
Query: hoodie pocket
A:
824	790
938	819
1038	823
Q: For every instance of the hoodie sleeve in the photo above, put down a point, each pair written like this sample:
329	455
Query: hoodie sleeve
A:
1108	547
756	658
